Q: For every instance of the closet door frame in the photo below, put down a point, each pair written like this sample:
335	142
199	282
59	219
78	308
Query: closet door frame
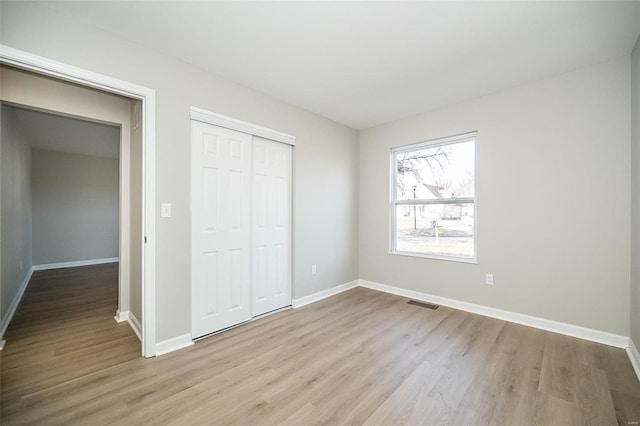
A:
202	115
209	117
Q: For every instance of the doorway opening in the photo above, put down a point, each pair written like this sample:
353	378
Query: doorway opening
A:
137	172
61	210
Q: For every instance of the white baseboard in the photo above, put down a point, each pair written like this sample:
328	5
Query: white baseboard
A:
173	344
531	321
135	324
6	318
47	266
634	357
298	303
121	316
185	340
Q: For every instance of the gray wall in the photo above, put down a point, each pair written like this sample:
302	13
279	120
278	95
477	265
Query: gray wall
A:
635	195
15	153
325	158
553	208
75	207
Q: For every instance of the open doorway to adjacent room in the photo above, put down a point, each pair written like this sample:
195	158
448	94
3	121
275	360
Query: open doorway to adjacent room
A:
72	208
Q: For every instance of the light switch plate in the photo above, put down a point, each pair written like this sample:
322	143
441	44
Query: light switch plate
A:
165	210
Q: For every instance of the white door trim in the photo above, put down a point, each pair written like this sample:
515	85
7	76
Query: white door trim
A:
220	120
48	67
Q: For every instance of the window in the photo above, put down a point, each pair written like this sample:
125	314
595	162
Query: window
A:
433	198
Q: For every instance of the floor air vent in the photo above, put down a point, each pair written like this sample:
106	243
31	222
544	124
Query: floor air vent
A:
423	304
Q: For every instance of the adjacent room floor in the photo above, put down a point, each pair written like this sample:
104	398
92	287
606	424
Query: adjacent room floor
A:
361	357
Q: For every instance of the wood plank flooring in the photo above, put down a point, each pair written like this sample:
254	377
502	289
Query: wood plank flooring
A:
361	357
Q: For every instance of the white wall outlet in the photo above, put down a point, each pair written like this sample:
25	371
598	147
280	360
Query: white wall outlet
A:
489	279
165	210
21	265
313	270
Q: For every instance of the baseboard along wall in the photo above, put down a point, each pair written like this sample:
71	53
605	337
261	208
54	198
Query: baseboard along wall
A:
173	344
634	356
6	318
121	316
597	336
528	320
135	325
128	317
298	303
185	340
73	264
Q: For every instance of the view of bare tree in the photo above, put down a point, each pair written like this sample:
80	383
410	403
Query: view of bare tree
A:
414	163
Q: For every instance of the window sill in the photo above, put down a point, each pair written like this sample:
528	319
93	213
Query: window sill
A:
472	261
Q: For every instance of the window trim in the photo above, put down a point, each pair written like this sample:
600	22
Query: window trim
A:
393	202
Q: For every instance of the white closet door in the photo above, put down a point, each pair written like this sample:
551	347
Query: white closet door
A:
271	279
220	228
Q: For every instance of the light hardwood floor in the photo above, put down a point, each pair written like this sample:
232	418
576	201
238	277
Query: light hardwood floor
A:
361	357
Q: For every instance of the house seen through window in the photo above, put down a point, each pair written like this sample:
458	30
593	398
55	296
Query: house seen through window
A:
433	198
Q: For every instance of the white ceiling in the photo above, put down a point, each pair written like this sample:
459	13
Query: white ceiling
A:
366	63
65	134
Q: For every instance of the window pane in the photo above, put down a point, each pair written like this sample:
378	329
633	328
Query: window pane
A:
437	229
433	173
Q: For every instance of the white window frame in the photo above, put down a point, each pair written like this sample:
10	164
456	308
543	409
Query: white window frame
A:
394	202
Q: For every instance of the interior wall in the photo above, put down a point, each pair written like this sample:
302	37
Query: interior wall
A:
635	195
75	207
15	216
325	157
25	88
553	207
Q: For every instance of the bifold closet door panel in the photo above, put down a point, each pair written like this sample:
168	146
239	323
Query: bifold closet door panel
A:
271	254
221	227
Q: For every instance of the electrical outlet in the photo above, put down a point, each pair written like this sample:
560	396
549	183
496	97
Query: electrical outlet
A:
313	269
489	279
21	265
